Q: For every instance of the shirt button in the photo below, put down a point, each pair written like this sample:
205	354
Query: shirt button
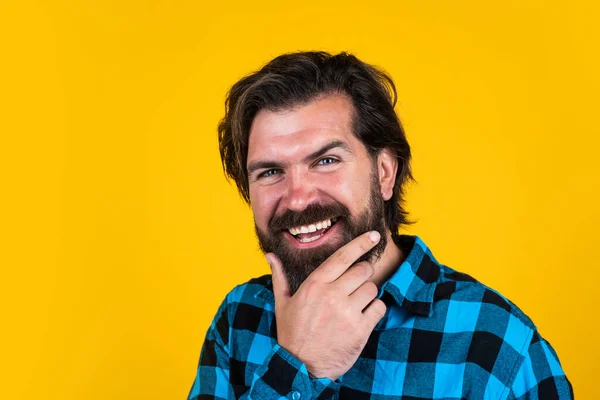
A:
296	395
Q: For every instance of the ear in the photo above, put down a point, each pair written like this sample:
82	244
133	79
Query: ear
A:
387	168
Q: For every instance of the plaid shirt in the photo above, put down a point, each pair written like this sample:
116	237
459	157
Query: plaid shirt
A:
444	336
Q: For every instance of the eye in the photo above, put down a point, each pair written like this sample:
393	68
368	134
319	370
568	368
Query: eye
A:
268	173
327	160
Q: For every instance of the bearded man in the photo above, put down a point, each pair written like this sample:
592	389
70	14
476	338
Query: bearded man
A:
353	309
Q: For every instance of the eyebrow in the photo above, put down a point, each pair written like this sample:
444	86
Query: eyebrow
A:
254	166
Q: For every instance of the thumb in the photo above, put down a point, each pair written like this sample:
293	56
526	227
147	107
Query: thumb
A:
281	287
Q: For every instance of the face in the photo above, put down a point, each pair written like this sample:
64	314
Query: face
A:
313	185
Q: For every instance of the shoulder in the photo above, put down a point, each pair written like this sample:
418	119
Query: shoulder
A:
460	288
473	306
500	339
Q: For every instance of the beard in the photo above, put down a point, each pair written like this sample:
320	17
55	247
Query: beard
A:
298	263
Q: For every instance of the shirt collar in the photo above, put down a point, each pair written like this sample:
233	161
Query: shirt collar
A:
413	284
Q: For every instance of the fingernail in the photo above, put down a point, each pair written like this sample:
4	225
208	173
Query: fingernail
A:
374	236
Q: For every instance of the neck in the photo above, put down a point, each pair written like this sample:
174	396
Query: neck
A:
388	263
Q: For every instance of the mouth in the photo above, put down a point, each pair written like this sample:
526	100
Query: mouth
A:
313	232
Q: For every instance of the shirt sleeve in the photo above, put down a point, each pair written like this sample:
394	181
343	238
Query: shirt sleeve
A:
282	376
540	375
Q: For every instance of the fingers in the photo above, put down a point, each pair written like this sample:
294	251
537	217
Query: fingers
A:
364	295
375	311
344	257
355	276
281	287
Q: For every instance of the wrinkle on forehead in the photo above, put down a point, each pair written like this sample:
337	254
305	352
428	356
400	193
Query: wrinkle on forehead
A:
315	123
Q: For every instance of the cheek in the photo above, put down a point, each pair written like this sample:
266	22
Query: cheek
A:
263	202
349	187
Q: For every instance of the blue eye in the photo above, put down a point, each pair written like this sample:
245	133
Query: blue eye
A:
268	173
327	160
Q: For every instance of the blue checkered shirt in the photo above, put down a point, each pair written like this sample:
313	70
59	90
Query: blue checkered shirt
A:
444	336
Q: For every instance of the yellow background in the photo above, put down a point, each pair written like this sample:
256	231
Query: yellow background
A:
120	236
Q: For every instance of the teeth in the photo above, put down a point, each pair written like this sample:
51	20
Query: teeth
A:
311	239
311	228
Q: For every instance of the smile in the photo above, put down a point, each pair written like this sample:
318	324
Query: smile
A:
312	232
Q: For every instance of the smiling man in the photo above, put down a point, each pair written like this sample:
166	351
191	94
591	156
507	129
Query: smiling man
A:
353	309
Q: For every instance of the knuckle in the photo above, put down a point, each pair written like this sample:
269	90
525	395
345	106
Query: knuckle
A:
379	307
342	256
371	288
362	269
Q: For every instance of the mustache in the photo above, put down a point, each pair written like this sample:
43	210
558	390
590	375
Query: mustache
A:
311	214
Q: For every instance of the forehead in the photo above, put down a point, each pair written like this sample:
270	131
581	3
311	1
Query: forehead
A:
289	132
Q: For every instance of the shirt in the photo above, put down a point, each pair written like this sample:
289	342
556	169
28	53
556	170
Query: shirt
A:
444	336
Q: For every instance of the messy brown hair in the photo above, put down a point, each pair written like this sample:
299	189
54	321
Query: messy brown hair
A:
299	78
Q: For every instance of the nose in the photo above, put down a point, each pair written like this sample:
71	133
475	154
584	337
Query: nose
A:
299	192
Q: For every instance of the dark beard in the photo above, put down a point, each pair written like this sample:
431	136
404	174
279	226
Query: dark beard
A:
298	264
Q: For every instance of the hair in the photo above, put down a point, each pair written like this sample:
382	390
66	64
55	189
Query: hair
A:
298	78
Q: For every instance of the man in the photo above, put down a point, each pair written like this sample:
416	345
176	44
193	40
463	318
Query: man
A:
352	310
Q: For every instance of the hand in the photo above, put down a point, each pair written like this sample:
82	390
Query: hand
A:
328	321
